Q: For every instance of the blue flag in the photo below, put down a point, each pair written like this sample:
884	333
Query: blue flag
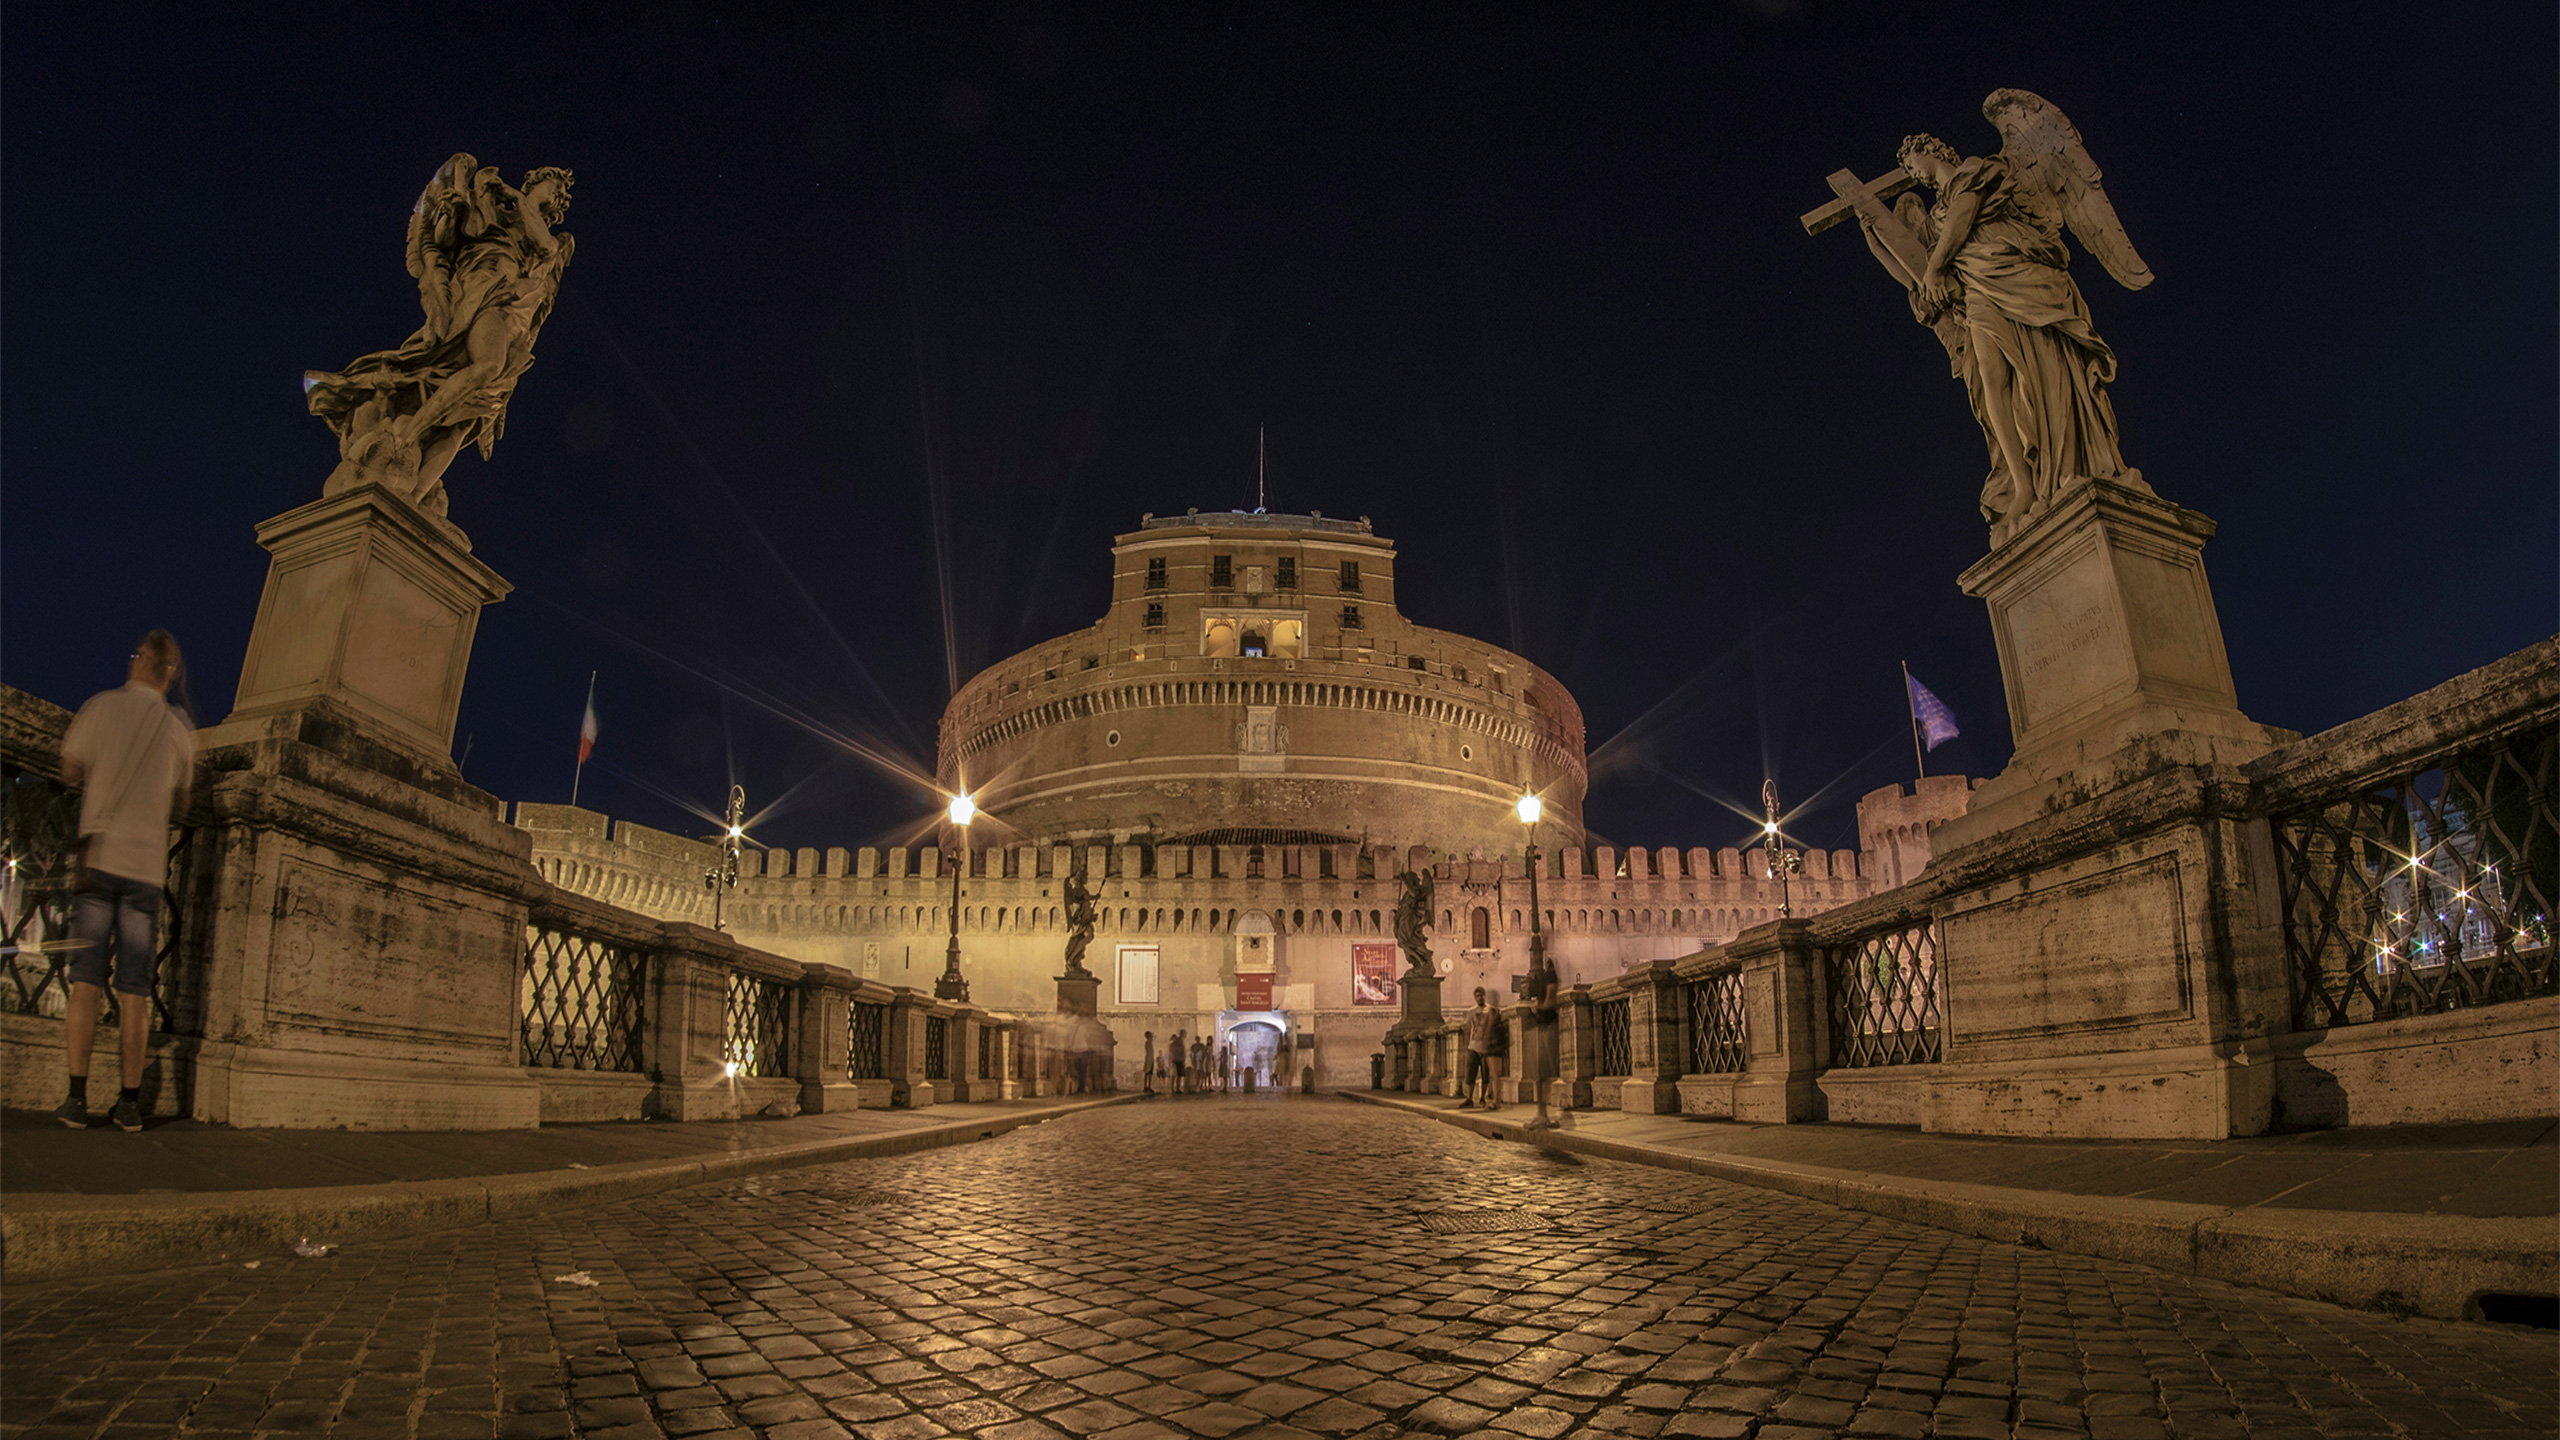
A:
1930	713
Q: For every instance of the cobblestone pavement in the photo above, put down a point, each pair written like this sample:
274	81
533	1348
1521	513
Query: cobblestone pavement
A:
1243	1267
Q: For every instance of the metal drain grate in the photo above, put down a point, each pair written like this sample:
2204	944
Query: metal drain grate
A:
1454	1222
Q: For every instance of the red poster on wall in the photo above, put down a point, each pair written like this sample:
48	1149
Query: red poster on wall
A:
1253	992
1373	974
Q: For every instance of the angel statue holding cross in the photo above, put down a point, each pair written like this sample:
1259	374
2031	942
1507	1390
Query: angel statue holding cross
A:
1986	269
487	257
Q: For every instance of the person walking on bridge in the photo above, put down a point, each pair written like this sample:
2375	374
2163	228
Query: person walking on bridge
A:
133	754
1479	1035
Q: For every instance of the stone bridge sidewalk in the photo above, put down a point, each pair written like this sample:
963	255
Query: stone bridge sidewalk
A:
183	1193
2424	1219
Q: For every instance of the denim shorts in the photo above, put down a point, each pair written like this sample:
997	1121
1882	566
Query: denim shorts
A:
126	912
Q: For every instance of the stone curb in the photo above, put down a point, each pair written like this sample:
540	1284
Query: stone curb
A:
52	1237
2433	1265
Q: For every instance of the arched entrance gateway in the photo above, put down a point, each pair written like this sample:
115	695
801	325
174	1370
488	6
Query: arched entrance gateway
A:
1256	1026
1262	1043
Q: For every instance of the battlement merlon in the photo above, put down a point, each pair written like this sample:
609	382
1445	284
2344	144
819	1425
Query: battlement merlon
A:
586	851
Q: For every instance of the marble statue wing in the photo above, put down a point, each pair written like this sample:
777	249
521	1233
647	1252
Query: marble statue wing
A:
2060	179
435	235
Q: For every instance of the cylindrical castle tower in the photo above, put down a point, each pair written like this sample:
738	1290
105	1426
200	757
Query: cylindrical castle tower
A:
1253	682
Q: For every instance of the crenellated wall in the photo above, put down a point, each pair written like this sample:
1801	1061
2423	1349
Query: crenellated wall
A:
1205	911
1894	828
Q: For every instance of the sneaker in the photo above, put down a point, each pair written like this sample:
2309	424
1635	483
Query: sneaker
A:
74	1113
128	1116
1466	1104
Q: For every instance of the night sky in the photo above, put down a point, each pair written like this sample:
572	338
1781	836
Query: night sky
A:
1530	292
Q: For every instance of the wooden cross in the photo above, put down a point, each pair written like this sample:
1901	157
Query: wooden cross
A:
1867	202
1896	244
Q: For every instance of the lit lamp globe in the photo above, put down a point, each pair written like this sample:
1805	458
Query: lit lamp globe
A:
963	810
1529	809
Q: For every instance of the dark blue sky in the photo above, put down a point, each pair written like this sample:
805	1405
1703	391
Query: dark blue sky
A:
1529	292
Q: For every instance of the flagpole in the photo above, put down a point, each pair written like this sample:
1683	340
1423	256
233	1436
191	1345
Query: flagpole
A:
1919	756
581	772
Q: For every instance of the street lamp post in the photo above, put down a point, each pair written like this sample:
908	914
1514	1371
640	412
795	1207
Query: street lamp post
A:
1529	809
1782	861
723	874
951	986
1540	987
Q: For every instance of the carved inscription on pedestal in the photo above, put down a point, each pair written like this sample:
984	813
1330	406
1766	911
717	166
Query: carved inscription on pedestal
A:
2103	951
2064	634
354	956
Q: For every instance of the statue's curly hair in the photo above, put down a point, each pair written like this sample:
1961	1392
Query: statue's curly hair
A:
1926	145
550	172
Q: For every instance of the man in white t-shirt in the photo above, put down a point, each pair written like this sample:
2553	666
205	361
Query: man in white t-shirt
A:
1479	1040
133	755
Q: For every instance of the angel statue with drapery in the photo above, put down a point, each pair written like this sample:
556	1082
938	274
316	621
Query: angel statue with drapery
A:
488	258
1413	917
1080	918
1986	269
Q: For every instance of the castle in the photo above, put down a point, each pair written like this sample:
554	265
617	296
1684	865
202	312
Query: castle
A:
1243	756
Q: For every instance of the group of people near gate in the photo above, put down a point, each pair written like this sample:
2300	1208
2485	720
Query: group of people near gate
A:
1190	1068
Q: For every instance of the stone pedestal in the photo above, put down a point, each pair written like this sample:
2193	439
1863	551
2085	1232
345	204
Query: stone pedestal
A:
371	604
1418	996
370	907
2111	654
2107	962
1079	993
2114	970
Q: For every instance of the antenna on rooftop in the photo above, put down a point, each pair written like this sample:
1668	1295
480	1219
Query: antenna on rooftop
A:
1261	468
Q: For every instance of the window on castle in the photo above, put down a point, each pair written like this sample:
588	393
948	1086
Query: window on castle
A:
1480	929
1288	576
1416	662
1255	644
1253	863
1351	577
1350	617
1222	572
1155	573
1155	614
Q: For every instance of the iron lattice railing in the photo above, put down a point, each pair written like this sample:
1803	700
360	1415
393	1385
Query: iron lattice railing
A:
2426	891
581	1001
1884	998
865	1051
986	1053
759	1026
1022	1062
1614	1054
1719	1026
39	828
937	1047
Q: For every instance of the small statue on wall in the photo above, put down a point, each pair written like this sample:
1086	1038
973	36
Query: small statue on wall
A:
1080	918
488	259
1413	916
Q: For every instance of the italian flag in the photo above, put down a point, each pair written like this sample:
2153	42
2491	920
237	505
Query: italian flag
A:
587	727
